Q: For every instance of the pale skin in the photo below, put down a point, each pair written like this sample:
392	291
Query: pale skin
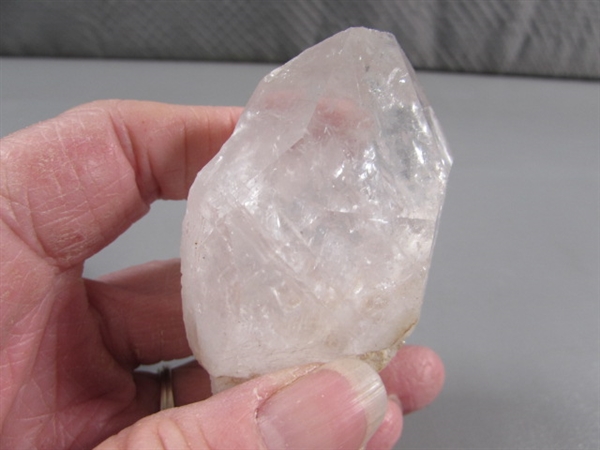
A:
69	345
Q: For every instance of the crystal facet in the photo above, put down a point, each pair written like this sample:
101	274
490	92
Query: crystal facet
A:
309	236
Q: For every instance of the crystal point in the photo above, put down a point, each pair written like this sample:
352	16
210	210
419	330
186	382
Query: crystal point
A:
309	236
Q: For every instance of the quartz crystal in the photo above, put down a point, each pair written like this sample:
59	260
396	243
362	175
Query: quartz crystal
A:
309	236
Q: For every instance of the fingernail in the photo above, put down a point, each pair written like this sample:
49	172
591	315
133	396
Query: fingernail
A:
340	405
394	398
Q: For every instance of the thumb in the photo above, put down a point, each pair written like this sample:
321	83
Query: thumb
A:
337	405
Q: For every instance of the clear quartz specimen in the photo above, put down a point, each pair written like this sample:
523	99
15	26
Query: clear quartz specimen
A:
309	236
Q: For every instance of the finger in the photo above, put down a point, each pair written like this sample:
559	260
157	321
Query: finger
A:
191	384
415	375
338	405
140	312
390	429
75	182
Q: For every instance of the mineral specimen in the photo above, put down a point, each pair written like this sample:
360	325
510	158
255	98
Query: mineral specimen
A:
309	236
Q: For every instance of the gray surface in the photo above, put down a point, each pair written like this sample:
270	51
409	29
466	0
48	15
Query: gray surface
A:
513	302
543	37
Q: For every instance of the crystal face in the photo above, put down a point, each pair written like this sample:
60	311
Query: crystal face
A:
309	236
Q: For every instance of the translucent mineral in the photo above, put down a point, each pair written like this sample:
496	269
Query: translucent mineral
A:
309	236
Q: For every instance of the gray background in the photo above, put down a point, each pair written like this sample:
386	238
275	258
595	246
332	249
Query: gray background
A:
513	301
549	37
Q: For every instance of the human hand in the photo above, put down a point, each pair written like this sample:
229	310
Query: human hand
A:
69	345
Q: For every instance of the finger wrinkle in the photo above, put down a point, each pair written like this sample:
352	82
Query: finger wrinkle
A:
163	161
89	168
217	127
51	186
16	365
187	175
171	435
117	112
139	312
65	233
24	342
15	209
16	216
111	324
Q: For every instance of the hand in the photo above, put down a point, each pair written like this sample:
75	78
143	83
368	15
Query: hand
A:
69	346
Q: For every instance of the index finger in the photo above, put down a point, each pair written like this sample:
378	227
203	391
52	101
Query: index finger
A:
74	183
